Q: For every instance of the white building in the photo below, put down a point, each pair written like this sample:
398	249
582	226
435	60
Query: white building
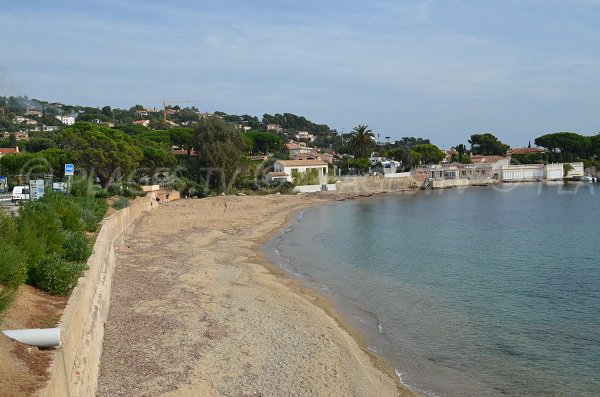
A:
293	169
67	120
305	135
539	172
297	148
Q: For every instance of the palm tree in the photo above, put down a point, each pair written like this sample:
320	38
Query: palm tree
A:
362	141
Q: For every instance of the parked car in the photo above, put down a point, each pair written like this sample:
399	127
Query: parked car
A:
20	193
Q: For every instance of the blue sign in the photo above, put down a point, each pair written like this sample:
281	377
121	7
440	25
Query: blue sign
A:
69	169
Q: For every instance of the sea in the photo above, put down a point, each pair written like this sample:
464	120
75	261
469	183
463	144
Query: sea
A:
479	291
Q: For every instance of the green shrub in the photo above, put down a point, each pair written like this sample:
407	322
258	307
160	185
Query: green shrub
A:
101	194
81	187
55	275
77	247
8	228
13	265
121	203
114	189
67	209
40	230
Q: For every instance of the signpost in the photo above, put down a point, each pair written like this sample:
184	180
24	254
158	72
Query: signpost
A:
69	171
36	189
3	184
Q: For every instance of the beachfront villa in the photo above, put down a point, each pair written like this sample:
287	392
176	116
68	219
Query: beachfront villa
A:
294	168
497	168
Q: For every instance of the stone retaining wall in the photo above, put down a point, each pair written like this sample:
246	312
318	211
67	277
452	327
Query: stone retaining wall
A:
75	366
371	184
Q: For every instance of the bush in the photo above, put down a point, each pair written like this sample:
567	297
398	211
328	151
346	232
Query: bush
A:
55	275
13	266
101	194
114	190
77	247
121	203
67	209
40	230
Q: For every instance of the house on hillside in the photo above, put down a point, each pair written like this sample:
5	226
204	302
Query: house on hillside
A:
274	127
295	149
34	113
67	120
145	123
24	120
9	150
314	155
305	135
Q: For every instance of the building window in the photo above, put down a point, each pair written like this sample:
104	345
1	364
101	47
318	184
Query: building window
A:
294	172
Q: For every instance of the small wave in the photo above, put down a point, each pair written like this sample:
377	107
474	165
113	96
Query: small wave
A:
379	327
372	349
408	386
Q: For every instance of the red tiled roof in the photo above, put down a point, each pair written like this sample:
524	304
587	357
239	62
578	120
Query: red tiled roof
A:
8	150
486	159
292	163
526	150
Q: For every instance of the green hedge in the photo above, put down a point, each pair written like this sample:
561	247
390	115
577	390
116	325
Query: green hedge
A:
46	245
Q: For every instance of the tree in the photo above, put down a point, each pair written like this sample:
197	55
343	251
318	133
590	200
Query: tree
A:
264	142
566	146
361	141
183	137
221	149
12	140
107	111
37	144
101	150
430	154
155	154
487	145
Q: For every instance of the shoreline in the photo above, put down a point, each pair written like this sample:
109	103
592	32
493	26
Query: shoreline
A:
235	322
322	302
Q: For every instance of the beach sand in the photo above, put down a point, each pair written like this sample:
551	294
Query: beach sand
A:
197	311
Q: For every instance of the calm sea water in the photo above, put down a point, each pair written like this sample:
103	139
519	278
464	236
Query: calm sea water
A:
468	292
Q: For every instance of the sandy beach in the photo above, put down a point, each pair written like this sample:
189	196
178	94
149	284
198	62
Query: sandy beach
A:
197	311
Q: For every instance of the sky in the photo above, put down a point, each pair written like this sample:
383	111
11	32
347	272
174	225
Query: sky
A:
438	69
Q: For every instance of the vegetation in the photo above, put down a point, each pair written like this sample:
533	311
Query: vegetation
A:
220	152
430	154
362	141
569	146
487	145
45	245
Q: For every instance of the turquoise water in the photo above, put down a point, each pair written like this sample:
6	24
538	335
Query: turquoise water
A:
468	292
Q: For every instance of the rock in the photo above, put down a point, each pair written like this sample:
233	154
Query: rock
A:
240	194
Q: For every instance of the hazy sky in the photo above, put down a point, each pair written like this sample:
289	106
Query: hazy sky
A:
440	69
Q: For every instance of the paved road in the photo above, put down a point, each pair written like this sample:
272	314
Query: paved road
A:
6	203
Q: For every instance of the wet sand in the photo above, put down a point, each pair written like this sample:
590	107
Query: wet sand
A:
197	311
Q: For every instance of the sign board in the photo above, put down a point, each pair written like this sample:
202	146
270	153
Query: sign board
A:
69	169
3	184
36	189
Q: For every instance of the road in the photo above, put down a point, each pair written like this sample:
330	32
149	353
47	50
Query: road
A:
6	203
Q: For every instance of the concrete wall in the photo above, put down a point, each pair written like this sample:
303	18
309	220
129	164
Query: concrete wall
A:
398	175
75	366
554	171
358	184
314	188
523	172
448	183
